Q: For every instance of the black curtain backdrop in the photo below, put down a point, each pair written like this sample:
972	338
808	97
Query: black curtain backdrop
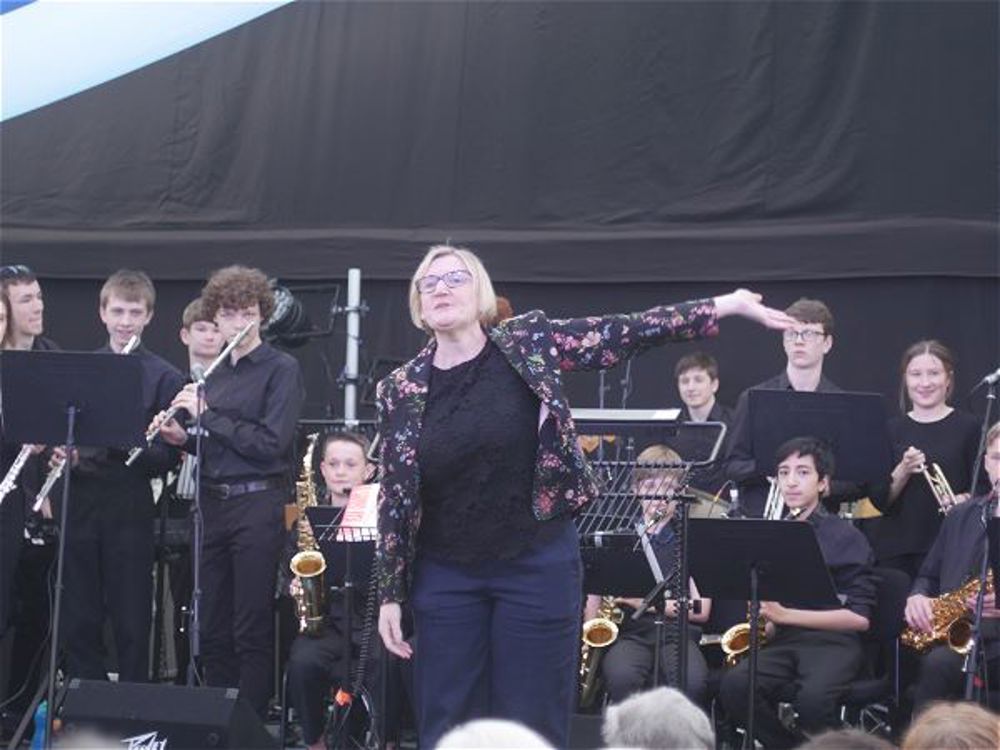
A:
600	156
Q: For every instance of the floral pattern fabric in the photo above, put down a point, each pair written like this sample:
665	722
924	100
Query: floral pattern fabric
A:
540	350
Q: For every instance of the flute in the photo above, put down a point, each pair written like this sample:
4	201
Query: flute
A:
60	466
10	480
152	432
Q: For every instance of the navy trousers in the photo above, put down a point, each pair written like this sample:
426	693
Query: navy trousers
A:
499	639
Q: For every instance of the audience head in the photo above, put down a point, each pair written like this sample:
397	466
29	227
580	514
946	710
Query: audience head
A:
491	733
660	718
840	739
926	375
957	726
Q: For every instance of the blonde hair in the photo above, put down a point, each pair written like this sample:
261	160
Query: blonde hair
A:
486	299
656	454
956	725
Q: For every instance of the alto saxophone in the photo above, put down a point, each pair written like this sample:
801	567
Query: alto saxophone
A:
952	622
308	565
598	633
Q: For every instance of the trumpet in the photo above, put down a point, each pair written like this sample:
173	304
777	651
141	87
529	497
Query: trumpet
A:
774	507
57	469
154	430
940	488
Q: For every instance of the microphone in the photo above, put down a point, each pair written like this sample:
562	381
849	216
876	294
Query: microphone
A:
992	379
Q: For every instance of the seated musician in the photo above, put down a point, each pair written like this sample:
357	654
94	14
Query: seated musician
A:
812	653
316	663
954	559
627	666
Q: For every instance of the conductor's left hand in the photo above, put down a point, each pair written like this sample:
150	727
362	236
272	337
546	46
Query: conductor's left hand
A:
749	305
390	627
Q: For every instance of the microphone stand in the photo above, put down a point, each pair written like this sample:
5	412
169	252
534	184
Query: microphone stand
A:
197	537
991	397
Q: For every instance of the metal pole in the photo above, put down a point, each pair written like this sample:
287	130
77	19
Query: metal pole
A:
353	345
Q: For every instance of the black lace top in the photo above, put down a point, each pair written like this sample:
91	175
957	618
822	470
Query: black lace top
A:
477	455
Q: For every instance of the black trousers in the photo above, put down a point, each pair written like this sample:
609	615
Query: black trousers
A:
809	668
316	664
627	667
941	677
11	536
108	572
243	537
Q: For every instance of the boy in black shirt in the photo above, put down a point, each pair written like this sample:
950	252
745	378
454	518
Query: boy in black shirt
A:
249	413
816	651
109	539
954	559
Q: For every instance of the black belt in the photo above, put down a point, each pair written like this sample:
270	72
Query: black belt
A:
227	491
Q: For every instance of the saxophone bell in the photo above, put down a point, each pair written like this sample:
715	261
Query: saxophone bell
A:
308	567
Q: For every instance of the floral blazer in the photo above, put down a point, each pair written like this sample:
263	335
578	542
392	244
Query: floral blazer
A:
539	350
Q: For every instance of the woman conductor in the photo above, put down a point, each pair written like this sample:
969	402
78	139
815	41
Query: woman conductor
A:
480	475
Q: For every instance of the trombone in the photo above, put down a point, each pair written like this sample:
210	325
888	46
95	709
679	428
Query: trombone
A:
153	431
940	488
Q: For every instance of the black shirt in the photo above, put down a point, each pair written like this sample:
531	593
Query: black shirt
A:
477	452
848	557
911	522
253	408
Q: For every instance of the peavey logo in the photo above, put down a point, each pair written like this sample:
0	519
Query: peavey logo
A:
145	742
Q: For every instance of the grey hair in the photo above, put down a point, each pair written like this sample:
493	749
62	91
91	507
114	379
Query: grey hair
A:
660	718
491	733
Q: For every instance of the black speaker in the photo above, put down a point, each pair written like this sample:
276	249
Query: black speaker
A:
166	717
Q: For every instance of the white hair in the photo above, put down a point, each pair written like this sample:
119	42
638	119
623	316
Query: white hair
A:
660	718
491	733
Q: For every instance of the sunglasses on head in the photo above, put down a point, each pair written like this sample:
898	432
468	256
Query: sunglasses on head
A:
13	272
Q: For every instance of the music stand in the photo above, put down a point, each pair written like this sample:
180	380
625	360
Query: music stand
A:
71	398
349	552
991	562
752	559
852	424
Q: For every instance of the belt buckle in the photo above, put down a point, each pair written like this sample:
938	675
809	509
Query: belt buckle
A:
223	491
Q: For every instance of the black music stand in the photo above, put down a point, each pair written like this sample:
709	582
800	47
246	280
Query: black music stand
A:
852	424
751	559
349	552
70	398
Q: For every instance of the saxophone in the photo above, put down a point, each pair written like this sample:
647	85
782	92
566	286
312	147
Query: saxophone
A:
308	565
735	642
952	623
598	633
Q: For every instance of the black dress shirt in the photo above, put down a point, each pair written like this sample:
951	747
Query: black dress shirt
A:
253	408
848	557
